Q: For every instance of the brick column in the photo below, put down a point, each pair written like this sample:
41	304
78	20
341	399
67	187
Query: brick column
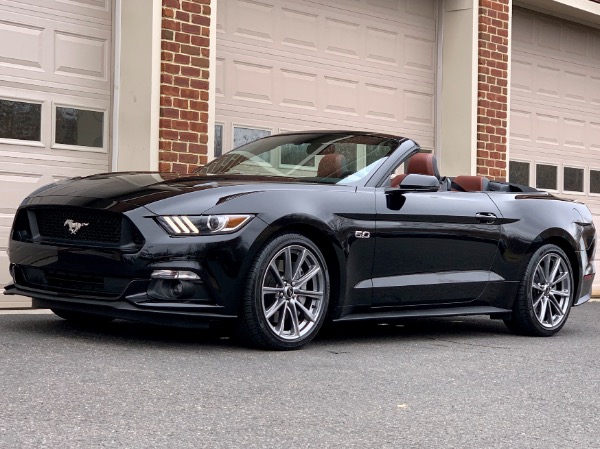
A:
184	84
492	98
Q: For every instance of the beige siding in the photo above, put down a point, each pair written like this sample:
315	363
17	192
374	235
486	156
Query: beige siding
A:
555	104
349	64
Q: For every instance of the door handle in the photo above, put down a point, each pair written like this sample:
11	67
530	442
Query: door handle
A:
485	217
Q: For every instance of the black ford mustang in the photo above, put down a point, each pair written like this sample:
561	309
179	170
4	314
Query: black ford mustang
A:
291	230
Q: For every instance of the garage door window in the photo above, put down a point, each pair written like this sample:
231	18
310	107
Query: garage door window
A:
519	172
20	120
546	176
79	127
218	140
242	136
573	179
594	181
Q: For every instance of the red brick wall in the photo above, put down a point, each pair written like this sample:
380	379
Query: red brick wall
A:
184	84
492	98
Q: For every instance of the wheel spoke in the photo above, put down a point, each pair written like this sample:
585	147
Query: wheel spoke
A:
546	269
556	305
560	278
275	307
288	264
270	290
560	293
275	271
281	325
306	312
537	301
309	293
308	276
299	263
554	271
538	287
540	273
294	315
542	314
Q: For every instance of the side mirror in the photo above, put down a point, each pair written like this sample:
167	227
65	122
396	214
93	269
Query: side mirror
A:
416	183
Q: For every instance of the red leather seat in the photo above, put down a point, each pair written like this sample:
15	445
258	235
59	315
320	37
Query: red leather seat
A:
470	184
419	164
332	166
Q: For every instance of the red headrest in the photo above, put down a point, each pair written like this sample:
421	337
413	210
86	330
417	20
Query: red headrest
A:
332	166
423	164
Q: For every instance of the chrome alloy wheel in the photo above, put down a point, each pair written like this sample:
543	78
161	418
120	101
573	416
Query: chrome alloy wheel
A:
293	288
551	290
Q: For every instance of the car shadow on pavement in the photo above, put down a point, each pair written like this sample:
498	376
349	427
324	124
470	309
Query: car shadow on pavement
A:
472	329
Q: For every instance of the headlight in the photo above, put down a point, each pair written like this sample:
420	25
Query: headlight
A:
202	224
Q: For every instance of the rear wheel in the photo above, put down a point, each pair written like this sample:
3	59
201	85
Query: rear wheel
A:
81	317
545	295
287	294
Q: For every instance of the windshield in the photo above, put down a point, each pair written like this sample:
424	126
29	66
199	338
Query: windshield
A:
332	158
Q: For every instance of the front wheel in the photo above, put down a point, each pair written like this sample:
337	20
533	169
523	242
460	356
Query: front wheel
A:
287	294
545	295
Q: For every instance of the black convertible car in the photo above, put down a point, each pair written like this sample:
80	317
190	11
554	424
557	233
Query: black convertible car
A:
289	231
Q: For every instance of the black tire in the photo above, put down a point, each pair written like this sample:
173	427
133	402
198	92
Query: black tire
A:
81	317
545	295
272	299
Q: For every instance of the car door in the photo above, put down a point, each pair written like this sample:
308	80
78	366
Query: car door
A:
433	247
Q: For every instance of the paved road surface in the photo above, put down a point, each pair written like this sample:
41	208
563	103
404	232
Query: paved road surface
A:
459	383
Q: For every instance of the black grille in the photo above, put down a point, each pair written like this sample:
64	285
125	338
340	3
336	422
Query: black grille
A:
80	225
73	282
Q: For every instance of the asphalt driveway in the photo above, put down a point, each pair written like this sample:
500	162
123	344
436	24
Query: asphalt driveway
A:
461	383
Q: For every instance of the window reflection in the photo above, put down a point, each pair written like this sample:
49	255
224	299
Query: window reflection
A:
79	127
20	120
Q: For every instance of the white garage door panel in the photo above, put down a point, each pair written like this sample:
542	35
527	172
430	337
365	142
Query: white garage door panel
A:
56	53
39	50
555	103
97	12
344	64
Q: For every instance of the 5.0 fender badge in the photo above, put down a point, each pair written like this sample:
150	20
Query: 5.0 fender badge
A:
74	226
362	234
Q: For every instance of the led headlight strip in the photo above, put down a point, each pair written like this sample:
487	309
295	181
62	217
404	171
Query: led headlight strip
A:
202	224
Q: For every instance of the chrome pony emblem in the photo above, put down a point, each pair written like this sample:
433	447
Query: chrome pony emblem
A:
74	226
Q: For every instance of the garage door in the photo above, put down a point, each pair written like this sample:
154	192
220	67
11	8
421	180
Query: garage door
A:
343	64
555	108
55	90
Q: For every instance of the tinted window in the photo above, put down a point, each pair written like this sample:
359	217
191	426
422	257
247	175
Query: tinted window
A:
594	181
519	172
546	176
79	127
573	179
19	120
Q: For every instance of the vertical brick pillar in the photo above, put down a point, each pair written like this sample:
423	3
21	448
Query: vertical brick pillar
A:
184	84
492	98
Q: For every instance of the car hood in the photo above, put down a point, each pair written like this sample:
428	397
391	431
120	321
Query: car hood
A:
160	193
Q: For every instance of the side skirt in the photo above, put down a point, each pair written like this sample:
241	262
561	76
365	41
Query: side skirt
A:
423	313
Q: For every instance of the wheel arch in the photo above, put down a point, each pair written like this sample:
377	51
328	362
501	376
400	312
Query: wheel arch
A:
326	241
565	242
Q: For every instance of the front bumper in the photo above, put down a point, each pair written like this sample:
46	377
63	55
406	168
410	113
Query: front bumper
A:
180	315
111	282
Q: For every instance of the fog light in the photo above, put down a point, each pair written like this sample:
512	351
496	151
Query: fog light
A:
182	289
175	274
